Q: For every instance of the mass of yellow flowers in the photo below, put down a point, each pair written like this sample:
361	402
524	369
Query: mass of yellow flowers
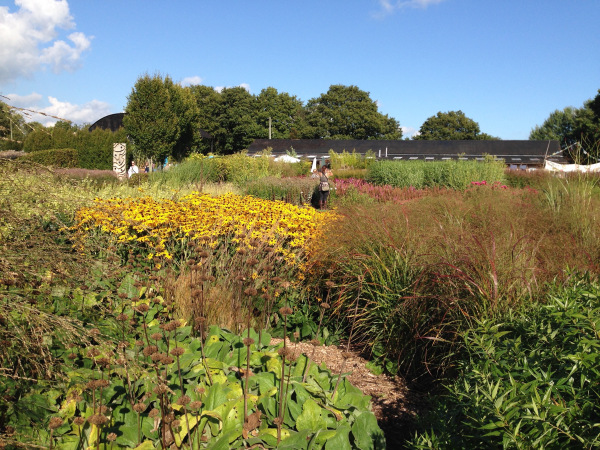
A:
243	221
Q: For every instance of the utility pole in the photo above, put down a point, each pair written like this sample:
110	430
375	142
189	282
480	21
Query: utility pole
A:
269	128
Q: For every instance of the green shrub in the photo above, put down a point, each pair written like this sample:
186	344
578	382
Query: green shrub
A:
62	157
527	380
298	191
451	174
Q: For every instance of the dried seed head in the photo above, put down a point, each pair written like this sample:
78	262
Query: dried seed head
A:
93	352
143	308
330	284
101	384
210	278
139	407
55	422
325	305
150	350
248	342
183	400
329	271
176	423
78	421
315	342
111	437
154	413
97	419
160	389
167	359
276	279
241	251
250	291
156	336
285	311
72	356
168	418
196	405
122	317
200	390
284	352
252	261
203	254
346	355
285	284
103	362
177	351
156	357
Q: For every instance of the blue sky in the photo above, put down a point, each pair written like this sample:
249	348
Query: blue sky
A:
506	64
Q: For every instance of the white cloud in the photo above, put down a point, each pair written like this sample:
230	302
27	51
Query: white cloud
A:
30	39
389	6
191	81
409	132
48	113
242	85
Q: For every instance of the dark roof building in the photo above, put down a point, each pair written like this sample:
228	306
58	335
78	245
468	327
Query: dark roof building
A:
514	153
111	122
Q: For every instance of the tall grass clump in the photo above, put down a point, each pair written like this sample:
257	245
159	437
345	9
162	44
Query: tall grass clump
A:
527	379
297	190
354	160
423	272
450	174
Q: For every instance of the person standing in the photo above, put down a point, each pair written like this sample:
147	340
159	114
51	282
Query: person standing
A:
324	186
133	169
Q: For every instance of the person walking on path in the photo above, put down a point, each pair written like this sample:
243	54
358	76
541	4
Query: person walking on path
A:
324	187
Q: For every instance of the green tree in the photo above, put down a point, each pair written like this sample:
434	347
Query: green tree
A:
12	128
346	112
559	126
159	118
207	101
236	116
451	126
284	111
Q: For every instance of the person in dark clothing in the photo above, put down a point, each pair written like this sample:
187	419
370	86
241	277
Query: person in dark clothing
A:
324	187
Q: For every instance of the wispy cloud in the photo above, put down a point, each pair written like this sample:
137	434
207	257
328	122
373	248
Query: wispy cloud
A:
30	39
242	85
191	81
35	109
389	6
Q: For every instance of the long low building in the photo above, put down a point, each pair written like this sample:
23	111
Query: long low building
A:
519	154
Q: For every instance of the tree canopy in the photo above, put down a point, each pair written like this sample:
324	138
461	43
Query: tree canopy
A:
160	116
577	129
451	126
347	112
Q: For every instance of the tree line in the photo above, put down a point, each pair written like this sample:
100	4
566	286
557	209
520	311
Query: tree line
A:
164	119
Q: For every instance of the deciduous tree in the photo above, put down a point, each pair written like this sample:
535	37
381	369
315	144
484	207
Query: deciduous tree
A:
451	126
346	112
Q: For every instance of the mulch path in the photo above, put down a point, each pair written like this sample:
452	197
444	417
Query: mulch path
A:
393	403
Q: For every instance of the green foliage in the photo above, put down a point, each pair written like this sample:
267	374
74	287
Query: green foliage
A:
347	160
298	191
451	174
13	129
451	126
61	157
346	112
160	118
526	380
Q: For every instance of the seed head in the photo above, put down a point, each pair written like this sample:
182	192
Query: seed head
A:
177	351
285	311
150	350
153	413
250	291
196	405
111	437
248	342
78	421
139	407
183	400
97	419
55	422
156	336
325	305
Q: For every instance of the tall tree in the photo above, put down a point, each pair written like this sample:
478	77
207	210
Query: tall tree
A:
236	116
158	118
451	126
284	112
346	112
207	101
12	128
559	126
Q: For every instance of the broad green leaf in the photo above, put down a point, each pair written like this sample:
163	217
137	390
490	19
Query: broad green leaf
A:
311	418
341	440
366	432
